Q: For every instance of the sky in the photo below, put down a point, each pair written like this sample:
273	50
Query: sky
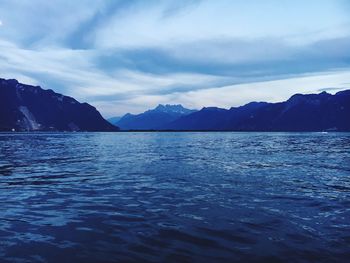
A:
131	55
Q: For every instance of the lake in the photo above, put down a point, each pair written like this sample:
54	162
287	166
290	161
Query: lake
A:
174	197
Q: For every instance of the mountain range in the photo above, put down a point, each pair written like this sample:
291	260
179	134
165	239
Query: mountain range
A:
310	112
153	119
31	108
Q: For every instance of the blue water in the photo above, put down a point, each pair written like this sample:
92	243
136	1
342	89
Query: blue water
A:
175	197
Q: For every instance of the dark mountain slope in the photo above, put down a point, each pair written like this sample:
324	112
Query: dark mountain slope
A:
313	112
29	108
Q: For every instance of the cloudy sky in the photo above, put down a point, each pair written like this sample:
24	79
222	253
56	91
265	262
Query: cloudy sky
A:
129	55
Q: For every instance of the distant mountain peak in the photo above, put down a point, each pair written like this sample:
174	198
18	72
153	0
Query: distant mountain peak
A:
154	118
169	108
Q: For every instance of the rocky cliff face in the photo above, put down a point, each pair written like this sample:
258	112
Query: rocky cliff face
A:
29	108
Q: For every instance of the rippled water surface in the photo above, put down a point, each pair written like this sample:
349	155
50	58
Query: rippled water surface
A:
175	197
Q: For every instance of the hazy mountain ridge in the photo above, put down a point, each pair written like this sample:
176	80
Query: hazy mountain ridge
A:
113	120
31	108
153	119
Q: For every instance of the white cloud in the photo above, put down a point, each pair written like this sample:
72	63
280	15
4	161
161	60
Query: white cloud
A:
42	22
207	37
80	77
126	90
234	95
146	26
270	91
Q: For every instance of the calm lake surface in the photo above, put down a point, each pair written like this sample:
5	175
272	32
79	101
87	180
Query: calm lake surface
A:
175	197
